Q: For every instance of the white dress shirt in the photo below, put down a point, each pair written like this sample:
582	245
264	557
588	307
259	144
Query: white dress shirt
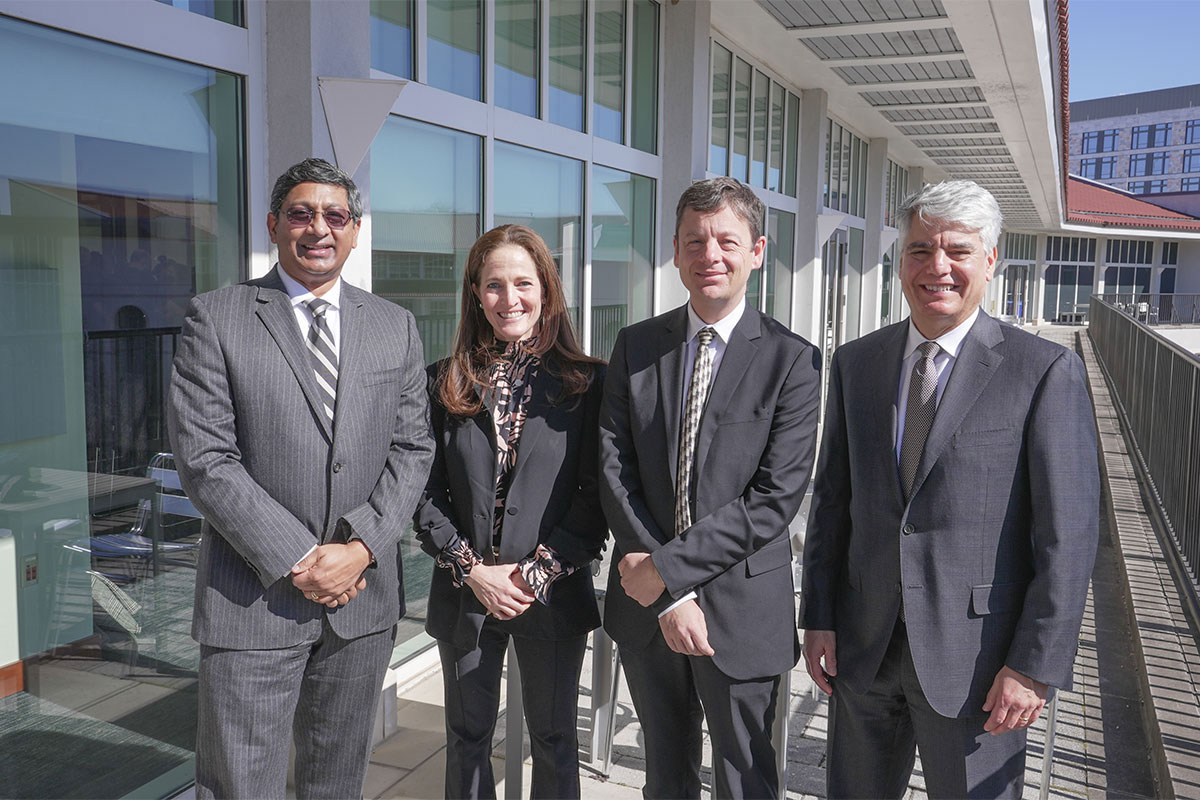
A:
723	329
949	343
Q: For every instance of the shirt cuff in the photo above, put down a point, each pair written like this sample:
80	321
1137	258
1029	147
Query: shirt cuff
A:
541	570
459	557
677	604
306	555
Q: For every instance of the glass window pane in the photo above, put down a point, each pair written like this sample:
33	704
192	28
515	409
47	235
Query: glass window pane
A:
826	189
718	151
835	168
425	215
222	10
517	55
758	161
111	223
544	192
739	158
608	110
781	245
622	253
775	166
453	46
644	88
844	198
790	162
391	36
567	44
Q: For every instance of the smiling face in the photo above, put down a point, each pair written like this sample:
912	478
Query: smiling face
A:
510	293
944	269
715	254
313	254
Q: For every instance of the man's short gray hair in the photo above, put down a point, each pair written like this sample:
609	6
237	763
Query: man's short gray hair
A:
961	203
316	170
709	195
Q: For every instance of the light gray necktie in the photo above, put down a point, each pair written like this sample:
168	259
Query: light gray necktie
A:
693	410
918	417
324	357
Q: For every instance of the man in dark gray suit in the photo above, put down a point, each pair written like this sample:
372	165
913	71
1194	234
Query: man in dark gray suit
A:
707	435
299	420
953	527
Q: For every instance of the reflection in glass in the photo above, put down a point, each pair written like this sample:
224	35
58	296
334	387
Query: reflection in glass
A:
775	164
517	55
793	145
425	215
758	160
608	108
718	151
391	36
622	253
544	192
644	81
110	223
739	159
781	245
221	10
454	44
567	44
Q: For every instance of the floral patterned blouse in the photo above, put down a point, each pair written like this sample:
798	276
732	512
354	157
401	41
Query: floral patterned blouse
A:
511	377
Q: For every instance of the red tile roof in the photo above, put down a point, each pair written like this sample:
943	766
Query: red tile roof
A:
1091	203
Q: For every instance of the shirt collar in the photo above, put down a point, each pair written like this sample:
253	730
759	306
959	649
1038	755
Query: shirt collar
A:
950	342
300	294
724	326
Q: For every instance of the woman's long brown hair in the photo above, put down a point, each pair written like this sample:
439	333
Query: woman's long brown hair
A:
474	341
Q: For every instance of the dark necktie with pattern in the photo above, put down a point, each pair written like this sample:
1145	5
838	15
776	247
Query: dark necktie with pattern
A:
324	357
693	410
918	417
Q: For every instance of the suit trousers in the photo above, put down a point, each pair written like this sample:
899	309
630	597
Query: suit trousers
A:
550	685
673	694
874	737
252	703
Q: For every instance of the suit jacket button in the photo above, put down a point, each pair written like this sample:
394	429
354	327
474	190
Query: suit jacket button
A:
337	467
510	510
908	528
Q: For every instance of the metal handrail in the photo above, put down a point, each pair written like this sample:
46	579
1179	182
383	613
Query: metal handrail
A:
1155	309
1157	384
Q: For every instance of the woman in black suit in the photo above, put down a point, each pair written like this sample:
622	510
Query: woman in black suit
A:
511	512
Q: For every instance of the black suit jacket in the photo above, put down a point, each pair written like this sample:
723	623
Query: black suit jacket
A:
754	455
552	500
993	552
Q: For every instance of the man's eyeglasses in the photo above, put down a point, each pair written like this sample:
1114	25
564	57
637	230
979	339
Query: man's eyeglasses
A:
301	217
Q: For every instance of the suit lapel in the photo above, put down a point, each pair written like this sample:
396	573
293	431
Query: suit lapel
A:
275	311
973	369
352	325
537	416
881	403
739	353
673	346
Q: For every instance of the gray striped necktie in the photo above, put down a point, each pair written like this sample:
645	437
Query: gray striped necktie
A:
697	394
918	417
324	357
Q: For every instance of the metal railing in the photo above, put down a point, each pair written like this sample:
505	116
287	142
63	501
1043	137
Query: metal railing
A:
1156	309
1157	383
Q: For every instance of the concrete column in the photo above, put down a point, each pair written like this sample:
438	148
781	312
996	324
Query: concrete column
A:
872	277
685	128
803	298
310	39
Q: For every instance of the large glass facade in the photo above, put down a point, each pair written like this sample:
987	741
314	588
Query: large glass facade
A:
644	77
544	192
718	151
517	55
110	221
608	109
454	46
622	253
568	55
392	36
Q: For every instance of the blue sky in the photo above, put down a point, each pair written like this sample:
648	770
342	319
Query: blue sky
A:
1123	46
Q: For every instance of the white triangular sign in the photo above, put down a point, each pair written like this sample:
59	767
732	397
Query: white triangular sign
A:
355	110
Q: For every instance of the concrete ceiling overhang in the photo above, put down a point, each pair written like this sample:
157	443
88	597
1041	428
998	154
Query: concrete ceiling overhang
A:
961	88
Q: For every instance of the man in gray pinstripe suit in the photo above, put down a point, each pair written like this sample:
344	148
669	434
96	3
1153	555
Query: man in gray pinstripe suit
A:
299	420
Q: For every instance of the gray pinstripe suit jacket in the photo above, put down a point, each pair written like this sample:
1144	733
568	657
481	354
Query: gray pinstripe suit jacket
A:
273	477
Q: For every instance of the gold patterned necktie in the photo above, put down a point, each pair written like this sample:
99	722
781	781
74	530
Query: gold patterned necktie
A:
693	410
918	417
